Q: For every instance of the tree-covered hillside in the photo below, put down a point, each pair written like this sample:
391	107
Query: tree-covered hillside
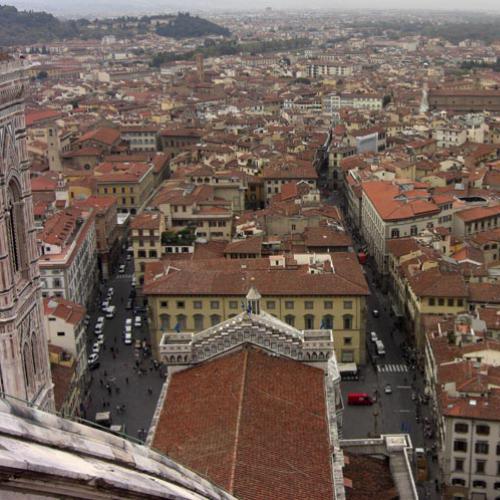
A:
187	26
27	27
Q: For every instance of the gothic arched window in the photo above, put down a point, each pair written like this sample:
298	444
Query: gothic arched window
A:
34	354
26	369
16	228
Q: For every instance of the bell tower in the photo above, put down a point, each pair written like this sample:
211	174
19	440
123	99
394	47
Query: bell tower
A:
24	361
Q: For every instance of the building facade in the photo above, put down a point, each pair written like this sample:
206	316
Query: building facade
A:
24	360
306	292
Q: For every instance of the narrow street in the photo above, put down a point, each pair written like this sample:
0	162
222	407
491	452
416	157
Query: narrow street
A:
395	412
126	383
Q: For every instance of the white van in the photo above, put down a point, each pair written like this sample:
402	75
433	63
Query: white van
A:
110	312
138	321
379	345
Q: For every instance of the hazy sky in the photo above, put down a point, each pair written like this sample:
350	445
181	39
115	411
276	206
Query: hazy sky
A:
70	6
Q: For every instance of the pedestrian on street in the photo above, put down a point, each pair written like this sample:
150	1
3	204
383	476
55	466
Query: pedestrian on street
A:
111	349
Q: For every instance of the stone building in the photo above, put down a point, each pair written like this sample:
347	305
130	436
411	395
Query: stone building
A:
24	360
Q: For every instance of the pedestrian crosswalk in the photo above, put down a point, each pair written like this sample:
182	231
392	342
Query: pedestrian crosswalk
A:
124	276
392	368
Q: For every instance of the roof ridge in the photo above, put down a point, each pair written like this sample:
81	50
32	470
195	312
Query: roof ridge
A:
238	420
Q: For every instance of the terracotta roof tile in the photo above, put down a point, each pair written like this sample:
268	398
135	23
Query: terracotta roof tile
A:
254	424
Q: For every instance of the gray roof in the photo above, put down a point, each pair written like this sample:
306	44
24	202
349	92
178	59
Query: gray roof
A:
46	455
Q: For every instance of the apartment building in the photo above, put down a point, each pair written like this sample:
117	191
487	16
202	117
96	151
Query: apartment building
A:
276	176
68	261
318	70
65	326
474	220
450	135
227	185
107	231
145	234
174	141
130	183
394	210
304	290
462	370
185	205
140	138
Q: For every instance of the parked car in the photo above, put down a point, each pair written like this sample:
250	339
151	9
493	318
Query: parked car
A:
138	321
388	389
111	291
128	330
98	329
96	347
93	358
359	398
121	269
379	345
138	344
133	282
130	304
128	339
100	338
128	322
110	312
100	319
375	313
86	320
129	258
104	305
373	336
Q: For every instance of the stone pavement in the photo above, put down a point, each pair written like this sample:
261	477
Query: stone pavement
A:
126	376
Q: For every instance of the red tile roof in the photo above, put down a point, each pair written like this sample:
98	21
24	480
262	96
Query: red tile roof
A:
107	136
393	203
254	424
478	213
236	276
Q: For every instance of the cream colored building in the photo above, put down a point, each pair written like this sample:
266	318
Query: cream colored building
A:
307	292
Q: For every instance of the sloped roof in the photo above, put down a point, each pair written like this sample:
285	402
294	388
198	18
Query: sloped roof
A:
254	424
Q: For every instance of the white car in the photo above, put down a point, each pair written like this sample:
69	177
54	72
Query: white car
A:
129	258
96	347
100	338
128	322
134	281
128	339
121	269
138	321
128	330
100	319
105	305
98	329
111	291
373	336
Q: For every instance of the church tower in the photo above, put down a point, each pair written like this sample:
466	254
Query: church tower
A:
24	361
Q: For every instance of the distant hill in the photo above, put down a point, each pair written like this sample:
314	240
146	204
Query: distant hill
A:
28	27
187	26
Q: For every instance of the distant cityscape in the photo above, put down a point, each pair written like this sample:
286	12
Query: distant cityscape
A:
250	255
